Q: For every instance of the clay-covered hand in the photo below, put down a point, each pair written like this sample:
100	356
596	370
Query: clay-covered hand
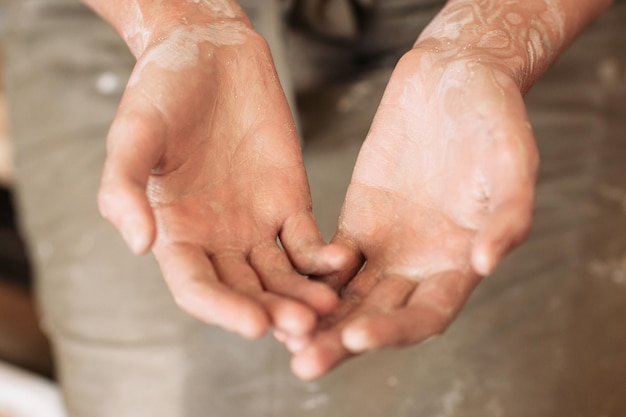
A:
442	190
444	184
204	168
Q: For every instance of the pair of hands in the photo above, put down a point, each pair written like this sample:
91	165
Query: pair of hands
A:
204	168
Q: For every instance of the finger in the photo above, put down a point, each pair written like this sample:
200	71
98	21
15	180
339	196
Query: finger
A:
326	350
353	263
360	287
307	250
286	314
323	354
383	298
134	146
197	290
280	336
505	228
289	316
278	276
428	312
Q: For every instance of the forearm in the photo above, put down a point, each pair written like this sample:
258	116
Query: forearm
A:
522	37
140	22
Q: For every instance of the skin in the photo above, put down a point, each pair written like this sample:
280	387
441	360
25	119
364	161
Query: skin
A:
443	186
204	168
442	190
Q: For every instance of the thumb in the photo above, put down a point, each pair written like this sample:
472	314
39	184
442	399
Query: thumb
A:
134	146
507	226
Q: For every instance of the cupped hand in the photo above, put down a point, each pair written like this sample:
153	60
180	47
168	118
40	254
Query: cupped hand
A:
204	168
442	190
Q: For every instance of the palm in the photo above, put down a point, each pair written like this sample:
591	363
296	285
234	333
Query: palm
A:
205	167
441	190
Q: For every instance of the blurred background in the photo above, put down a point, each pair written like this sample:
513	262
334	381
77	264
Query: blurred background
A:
26	369
542	337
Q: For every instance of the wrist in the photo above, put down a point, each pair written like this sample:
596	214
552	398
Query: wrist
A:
520	39
142	23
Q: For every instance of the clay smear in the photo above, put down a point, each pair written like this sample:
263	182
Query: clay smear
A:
220	8
526	34
181	49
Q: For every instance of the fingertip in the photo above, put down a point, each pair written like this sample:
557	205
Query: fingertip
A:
293	344
305	366
289	317
482	263
336	256
298	324
253	331
356	337
251	323
307	250
248	321
130	215
506	228
137	236
138	233
280	336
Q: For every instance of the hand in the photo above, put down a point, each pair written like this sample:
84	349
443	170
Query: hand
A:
442	190
204	168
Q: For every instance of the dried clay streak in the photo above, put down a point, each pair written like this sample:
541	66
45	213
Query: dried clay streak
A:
524	35
137	32
181	49
223	9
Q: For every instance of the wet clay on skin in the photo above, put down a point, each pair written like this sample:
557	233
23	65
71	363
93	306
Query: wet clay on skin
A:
524	35
180	48
223	22
453	107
